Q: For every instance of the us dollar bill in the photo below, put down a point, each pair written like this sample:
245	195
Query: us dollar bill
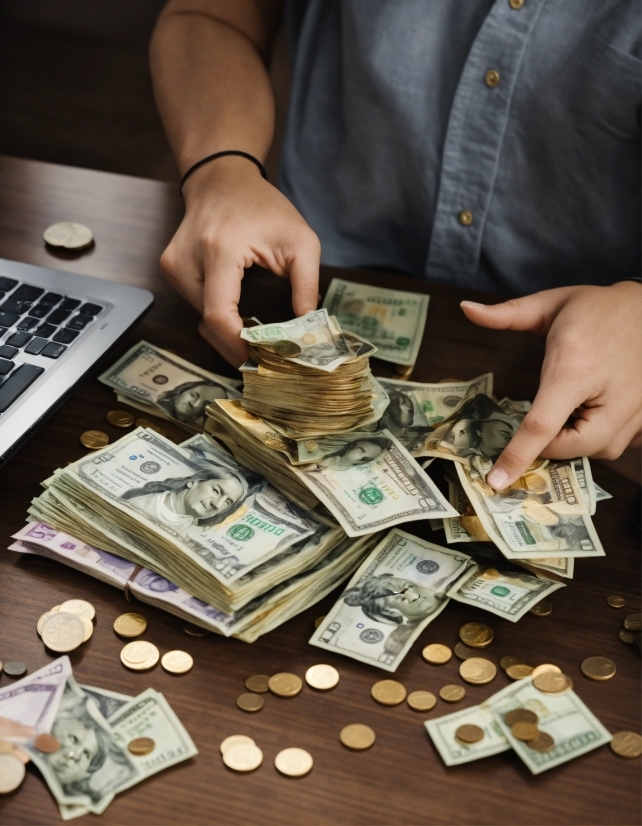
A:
33	701
441	731
400	588
393	320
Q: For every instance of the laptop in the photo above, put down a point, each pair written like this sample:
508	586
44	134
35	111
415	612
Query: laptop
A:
54	326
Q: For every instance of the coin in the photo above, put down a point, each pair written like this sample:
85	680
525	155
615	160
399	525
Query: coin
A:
234	740
452	693
464	652
540	669
69	235
287	349
322	677
506	662
141	745
258	683
552	682
627	744
46	743
633	622
357	736
139	655
250	702
293	762
41	621
12	773
477	671
14	668
120	418
285	684
130	625
542	609
469	733
524	731
243	757
436	653
519	672
476	634
626	636
318	621
598	668
177	662
616	602
194	630
80	607
5	747
94	439
388	692
520	715
421	700
543	742
63	632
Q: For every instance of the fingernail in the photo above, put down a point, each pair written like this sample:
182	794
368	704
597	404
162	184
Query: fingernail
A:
497	478
471	304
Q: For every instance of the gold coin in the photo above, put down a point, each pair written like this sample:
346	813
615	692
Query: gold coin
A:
540	669
524	731
148	424
139	655
250	702
309	338
627	637
477	671
94	439
63	632
41	621
130	625
80	607
452	693
177	662
293	762
141	746
194	630
258	683
506	662
598	668
469	733
318	621
627	744
12	773
552	682
520	715
88	626
287	349
120	418
46	743
542	743
633	622
234	740
388	692
436	653
421	700
322	677
404	371
243	757
357	736
542	609
285	684
476	634
69	235
464	652
519	672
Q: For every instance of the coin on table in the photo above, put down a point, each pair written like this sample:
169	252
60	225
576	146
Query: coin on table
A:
243	757
80	607
14	668
318	621
258	683
139	655
356	736
69	235
148	424
469	733
633	622
520	715
287	349
542	609
235	740
194	630
506	662
598	668
421	700
616	602
141	746
46	743
627	744
524	731
436	653
452	693
177	662
552	682
404	371
12	773
388	692
293	762
130	625
63	632
94	439
540	669
476	634
627	637
542	743
322	677
463	652
120	418
285	684
519	672
477	671
41	621
250	702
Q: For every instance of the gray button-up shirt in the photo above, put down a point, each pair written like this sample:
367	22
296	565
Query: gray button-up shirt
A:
487	143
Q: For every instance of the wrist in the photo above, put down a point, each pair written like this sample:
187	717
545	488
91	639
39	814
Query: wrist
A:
228	171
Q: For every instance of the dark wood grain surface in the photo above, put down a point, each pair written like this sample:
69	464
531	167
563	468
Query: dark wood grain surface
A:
402	778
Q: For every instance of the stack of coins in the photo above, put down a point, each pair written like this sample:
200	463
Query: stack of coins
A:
523	726
66	626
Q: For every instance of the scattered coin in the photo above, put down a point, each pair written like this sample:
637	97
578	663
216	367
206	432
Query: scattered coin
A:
436	654
89	628
194	630
293	762
469	733
627	744
404	371
357	736
322	677
464	652
177	662
243	757
520	715
46	743
540	669
139	655
63	632
79	607
542	743
285	684
477	671
476	634
69	235
12	773
41	621
519	672
148	424
234	740
452	693
633	622
120	418
524	731
626	636
287	349
616	602
506	662
421	700
258	683
14	668
94	439
388	692
250	702
318	621
552	682
542	609
130	625
141	745
598	668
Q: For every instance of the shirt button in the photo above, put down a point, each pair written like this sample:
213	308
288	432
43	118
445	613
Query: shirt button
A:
491	77
465	217
516	4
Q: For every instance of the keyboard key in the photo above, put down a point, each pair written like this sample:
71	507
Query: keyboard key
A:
58	316
7	352
27	323
3	330
70	304
17	383
91	309
6	367
26	292
7	284
8	319
45	330
19	339
53	351
14	305
65	336
34	347
80	321
50	298
40	310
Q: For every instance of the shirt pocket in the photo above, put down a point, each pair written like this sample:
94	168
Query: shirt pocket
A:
612	88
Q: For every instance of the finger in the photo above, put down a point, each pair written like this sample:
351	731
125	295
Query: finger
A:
304	278
222	292
532	312
183	275
593	434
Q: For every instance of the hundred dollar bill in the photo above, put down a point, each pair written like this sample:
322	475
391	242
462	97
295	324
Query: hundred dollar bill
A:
33	701
441	731
180	391
397	591
393	320
369	481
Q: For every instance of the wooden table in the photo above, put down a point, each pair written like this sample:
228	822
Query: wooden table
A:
402	778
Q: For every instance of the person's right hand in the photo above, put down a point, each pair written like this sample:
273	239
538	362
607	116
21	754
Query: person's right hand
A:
233	219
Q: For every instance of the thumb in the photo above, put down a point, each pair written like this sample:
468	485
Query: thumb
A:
532	312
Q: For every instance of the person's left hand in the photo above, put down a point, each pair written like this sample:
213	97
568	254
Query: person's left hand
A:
592	372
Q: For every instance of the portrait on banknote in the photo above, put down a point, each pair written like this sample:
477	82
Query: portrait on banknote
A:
393	600
350	452
187	401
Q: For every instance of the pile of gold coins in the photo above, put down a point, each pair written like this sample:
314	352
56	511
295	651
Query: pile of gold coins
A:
523	726
141	655
67	626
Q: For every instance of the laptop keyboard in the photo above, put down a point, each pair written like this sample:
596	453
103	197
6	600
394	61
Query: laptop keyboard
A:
35	325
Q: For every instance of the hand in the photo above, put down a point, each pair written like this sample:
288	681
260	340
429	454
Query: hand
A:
234	219
592	372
